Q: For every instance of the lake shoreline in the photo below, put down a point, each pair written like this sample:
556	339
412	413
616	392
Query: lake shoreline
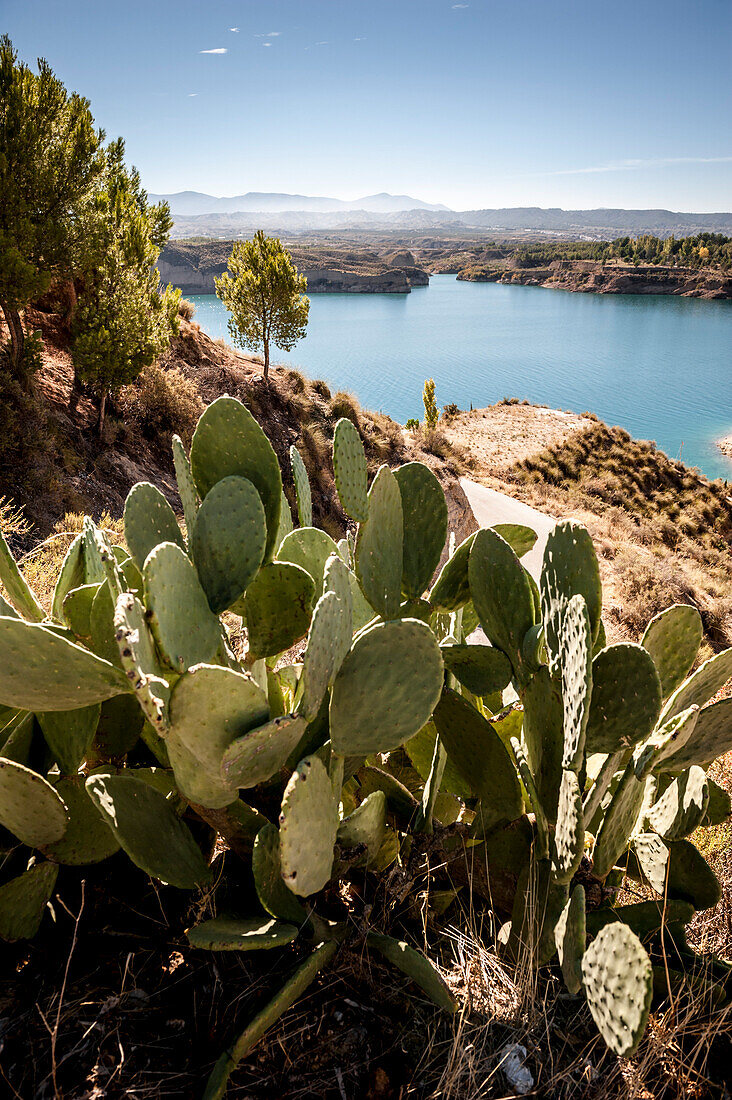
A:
587	277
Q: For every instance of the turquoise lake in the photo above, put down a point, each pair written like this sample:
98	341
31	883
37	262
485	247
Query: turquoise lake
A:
659	366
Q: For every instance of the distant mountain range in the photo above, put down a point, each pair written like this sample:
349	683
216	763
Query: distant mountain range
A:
194	202
199	215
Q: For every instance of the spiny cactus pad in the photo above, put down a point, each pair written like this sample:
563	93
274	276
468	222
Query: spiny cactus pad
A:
278	607
569	936
185	629
701	685
690	878
148	830
575	658
482	669
673	638
88	838
666	743
569	835
451	590
21	595
682	805
424	509
520	538
228	441
77	608
259	754
139	660
267	869
210	707
29	806
201	787
229	540
310	548
149	520
617	824
302	488
327	646
365	826
417	967
379	546
23	902
501	593
350	470
285	525
101	624
421	750
570	568
618	982
71	575
386	688
652	855
480	756
308	826
710	739
69	734
626	698
186	485
237	934
39	670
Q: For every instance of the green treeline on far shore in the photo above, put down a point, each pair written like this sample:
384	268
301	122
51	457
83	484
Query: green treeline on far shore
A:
703	250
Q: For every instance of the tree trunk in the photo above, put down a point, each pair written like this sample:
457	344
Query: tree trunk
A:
266	360
102	413
17	338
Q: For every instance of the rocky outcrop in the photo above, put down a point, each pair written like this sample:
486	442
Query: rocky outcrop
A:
587	277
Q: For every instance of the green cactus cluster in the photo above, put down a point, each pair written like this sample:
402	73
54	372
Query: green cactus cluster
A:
359	717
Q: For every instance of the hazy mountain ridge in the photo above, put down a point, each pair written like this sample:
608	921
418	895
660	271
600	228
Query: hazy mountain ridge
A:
191	203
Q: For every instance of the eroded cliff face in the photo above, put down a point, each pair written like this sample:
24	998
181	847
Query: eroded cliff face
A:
194	267
594	278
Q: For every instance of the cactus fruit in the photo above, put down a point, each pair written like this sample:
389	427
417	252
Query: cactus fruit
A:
380	545
378	701
149	520
23	901
302	488
147	828
424	511
228	441
417	967
673	638
618	983
228	541
350	470
29	806
308	827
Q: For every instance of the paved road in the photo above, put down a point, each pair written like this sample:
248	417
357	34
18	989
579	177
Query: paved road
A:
491	507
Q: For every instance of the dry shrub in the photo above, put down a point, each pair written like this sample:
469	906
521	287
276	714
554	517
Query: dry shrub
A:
162	401
344	404
186	309
321	388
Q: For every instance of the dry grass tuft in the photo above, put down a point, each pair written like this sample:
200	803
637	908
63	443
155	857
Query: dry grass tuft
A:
162	402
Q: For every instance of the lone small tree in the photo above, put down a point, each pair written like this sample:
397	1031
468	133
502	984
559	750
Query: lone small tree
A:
125	318
431	414
265	295
50	163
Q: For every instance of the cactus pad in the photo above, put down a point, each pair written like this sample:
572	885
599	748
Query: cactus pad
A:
570	936
482	669
690	878
302	488
71	575
386	688
259	754
652	856
203	788
480	756
451	590
308	826
148	830
618	823
626	698
673	639
77	608
278	607
69	734
667	743
575	659
273	894
39	670
23	902
149	520
711	738
139	660
543	735
618	982
569	568
29	806
310	548
379	546
185	629
501	593
570	834
285	525
520	538
21	595
417	967
328	642
88	839
186	485
350	470
228	540
682	805
235	934
701	685
424	509
365	826
421	750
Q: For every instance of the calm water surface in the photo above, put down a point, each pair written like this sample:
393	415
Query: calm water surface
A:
659	366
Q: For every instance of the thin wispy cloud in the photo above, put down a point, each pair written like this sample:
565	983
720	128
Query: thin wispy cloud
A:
266	43
359	40
634	165
269	34
192	95
322	43
234	30
220	49
455	7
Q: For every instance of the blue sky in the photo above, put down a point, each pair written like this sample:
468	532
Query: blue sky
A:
573	103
